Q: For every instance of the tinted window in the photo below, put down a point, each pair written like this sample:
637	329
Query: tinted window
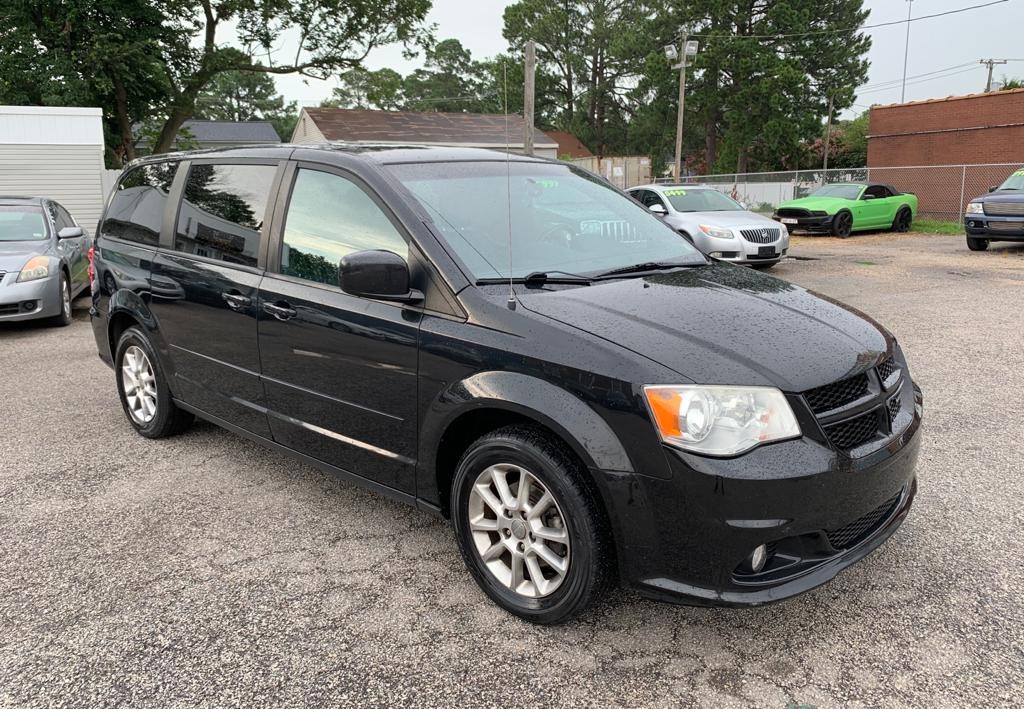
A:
222	211
137	208
878	191
328	217
22	224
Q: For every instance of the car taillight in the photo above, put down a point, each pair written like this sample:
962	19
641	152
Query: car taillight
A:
92	270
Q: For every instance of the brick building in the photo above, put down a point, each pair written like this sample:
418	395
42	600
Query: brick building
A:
977	129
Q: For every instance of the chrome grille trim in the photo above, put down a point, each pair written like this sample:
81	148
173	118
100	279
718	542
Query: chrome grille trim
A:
1004	209
762	235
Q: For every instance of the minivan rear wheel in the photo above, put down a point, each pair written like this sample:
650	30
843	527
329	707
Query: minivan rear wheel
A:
144	395
530	529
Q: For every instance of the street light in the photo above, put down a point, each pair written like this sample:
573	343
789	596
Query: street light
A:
689	49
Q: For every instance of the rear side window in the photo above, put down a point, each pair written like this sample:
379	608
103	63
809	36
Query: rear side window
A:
222	212
329	217
137	208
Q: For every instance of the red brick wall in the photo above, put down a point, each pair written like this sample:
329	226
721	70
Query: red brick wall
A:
981	128
971	130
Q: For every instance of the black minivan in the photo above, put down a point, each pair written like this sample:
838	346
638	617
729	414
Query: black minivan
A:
514	344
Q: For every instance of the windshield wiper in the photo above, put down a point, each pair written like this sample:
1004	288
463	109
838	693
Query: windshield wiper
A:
539	277
643	268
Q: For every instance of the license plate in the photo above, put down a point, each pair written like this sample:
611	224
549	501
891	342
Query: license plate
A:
766	251
788	220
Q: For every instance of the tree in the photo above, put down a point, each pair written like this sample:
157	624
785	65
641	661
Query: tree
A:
1006	84
160	57
362	88
246	96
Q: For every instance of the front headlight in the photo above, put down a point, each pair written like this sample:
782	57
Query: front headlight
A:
720	420
716	232
37	267
975	208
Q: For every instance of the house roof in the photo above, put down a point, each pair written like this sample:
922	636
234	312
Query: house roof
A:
568	144
232	131
995	93
483	129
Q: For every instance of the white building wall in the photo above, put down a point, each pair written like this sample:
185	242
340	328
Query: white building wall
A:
54	152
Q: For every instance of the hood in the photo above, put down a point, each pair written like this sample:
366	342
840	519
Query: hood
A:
14	254
1002	196
826	204
729	220
723	324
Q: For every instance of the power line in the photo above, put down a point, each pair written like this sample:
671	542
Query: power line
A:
919	81
846	30
897	82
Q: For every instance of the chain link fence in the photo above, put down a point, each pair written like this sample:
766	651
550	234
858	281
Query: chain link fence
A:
942	190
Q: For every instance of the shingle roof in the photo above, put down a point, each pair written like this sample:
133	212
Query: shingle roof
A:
361	125
232	131
568	144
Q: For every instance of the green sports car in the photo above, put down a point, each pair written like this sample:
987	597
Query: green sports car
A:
839	209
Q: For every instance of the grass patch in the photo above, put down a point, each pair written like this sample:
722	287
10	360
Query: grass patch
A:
937	226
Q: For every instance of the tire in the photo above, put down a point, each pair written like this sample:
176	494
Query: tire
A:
842	224
903	220
136	366
975	244
574	514
63	319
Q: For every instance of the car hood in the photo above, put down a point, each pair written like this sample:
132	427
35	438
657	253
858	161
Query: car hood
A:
14	254
740	218
723	324
825	204
1001	196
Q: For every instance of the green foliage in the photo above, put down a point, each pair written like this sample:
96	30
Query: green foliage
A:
138	60
310	266
1006	84
246	96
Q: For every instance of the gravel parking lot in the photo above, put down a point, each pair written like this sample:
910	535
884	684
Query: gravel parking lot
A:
206	570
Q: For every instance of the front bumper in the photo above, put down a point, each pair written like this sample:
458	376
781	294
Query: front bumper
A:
739	250
29	300
985	226
814	225
686	539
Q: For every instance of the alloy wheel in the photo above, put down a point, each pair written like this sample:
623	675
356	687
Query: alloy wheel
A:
65	297
519	530
139	383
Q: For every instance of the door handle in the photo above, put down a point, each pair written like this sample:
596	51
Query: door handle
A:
281	312
236	301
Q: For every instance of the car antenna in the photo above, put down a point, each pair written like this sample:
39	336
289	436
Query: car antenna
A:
511	302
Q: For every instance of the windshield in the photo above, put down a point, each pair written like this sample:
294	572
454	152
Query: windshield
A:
561	219
19	223
1014	181
840	191
684	200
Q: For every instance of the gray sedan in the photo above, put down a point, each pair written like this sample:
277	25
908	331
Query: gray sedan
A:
716	224
43	260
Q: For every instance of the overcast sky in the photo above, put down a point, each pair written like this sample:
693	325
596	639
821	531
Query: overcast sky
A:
941	43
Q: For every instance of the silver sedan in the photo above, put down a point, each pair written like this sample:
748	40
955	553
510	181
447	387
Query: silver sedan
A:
717	224
43	260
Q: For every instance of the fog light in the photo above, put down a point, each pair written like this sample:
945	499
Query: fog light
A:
28	305
715	254
758	557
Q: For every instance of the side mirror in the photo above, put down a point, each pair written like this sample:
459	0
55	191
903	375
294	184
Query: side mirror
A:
70	232
993	188
381	275
658	209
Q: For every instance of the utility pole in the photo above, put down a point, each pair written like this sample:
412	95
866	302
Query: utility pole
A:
906	51
991	63
687	49
529	70
828	135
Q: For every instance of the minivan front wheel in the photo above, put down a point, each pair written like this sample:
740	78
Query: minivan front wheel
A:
144	395
531	531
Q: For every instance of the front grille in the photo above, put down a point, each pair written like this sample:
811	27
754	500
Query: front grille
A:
832	396
855	531
9	309
1005	226
886	369
767	235
793	212
853	432
1004	209
894	408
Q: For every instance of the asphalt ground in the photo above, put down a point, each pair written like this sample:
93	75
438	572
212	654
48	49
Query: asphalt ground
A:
207	571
